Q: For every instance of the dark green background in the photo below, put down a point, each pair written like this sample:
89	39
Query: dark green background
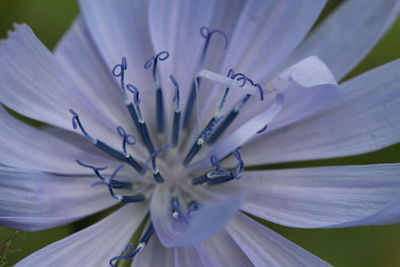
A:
361	246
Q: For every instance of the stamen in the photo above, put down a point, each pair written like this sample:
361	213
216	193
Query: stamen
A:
103	146
218	167
227	120
222	103
208	176
133	108
235	111
200	140
138	119
263	129
156	173
119	71
220	180
221	174
246	79
77	123
128	139
176	209
237	81
96	170
115	184
239	166
201	179
190	103
218	172
211	124
121	185
207	34
177	112
129	252
136	101
163	55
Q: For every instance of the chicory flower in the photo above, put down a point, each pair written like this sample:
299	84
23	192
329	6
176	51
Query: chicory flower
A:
170	102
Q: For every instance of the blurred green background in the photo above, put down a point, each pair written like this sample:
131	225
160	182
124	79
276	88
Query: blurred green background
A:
361	246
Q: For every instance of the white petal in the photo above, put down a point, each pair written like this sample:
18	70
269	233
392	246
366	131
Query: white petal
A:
264	247
33	200
93	246
324	197
348	34
364	118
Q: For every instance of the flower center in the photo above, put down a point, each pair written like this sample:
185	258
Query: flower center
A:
170	163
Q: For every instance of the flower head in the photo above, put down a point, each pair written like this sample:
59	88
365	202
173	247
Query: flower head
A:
170	104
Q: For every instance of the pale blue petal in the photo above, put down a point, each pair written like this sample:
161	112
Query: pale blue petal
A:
175	27
80	58
314	87
307	87
388	215
22	141
264	247
79	142
33	200
266	32
93	246
219	250
348	34
204	255
191	256
325	197
364	118
122	30
36	85
246	131
154	254
207	221
222	250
